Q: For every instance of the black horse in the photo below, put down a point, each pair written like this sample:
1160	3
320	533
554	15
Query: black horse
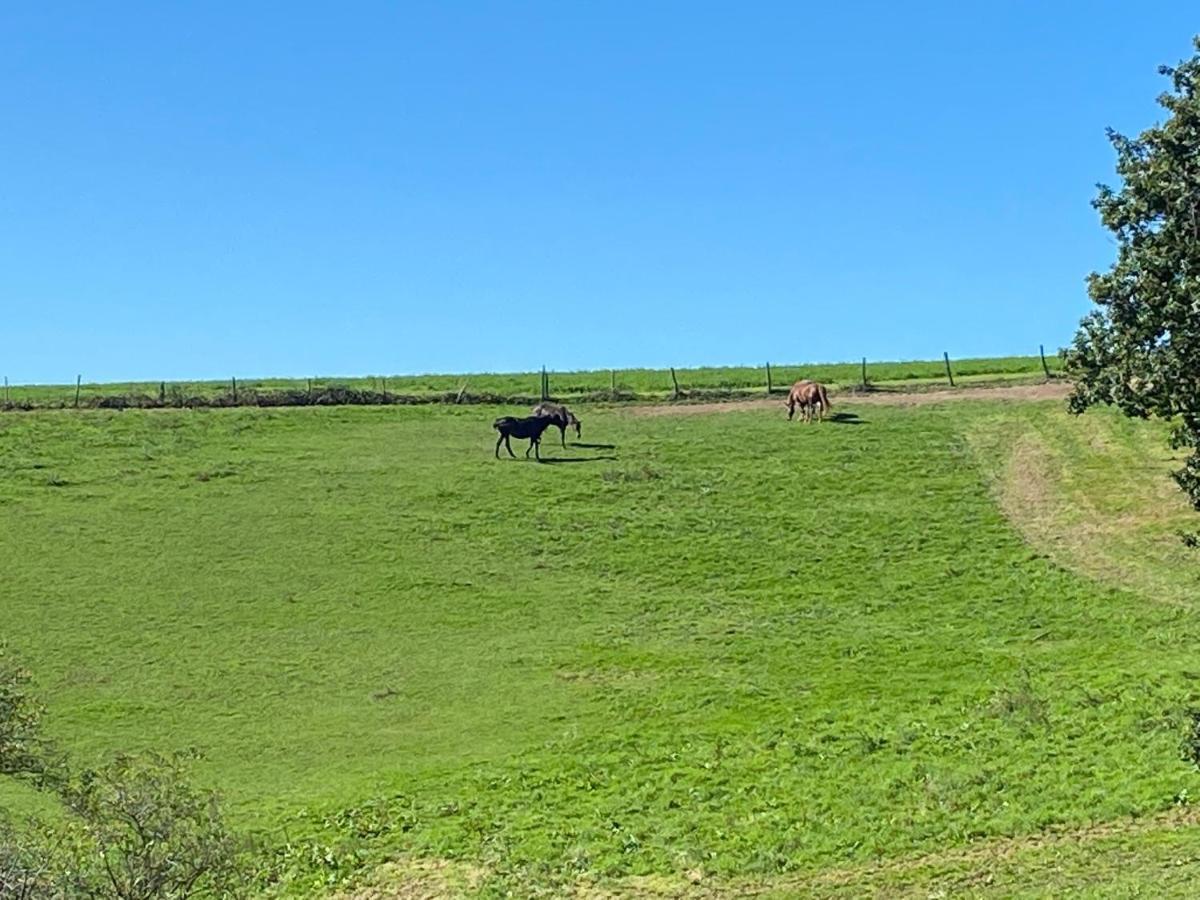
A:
530	428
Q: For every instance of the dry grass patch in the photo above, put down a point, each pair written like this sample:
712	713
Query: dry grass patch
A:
1095	493
1054	390
419	879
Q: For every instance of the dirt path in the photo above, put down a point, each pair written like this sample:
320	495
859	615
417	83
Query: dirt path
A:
989	852
1054	390
933	874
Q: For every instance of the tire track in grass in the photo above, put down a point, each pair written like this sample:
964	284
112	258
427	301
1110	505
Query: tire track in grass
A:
1095	494
954	871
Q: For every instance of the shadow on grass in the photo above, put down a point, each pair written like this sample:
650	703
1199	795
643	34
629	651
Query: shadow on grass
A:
559	460
846	418
594	446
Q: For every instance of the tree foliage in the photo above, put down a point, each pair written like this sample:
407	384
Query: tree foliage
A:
1140	349
135	829
23	751
143	831
31	866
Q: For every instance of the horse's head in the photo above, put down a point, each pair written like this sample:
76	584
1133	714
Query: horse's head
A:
571	420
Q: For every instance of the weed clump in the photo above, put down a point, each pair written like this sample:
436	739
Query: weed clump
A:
627	476
1189	748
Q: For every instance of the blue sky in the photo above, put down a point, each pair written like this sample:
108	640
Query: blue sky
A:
205	190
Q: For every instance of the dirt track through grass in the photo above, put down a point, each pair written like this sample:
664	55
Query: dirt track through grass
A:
1095	493
1055	390
1059	862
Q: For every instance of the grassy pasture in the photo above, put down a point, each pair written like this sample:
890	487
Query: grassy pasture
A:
643	383
722	652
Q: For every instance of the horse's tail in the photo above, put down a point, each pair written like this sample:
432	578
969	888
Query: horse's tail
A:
824	395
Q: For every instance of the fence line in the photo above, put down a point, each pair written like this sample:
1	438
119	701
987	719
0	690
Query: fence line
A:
585	386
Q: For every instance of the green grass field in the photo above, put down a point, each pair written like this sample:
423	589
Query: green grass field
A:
638	383
939	648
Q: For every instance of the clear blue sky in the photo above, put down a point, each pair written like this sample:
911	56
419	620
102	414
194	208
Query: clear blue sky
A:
215	189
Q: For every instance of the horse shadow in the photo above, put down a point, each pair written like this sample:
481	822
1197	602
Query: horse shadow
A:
560	460
594	446
846	418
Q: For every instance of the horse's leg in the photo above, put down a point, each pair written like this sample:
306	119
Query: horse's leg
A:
508	447
499	441
537	448
791	405
530	447
562	434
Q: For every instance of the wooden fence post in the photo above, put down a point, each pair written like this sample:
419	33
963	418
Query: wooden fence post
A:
864	372
1045	368
162	393
612	377
6	400
674	381
78	382
768	379
310	390
545	385
949	374
234	391
461	391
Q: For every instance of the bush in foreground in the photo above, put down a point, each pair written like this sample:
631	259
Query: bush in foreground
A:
134	829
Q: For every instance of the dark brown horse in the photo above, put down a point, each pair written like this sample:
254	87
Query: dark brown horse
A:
561	416
530	428
810	396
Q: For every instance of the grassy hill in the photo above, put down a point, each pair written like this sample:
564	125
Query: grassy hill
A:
930	647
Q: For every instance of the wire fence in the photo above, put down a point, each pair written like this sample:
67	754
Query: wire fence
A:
597	385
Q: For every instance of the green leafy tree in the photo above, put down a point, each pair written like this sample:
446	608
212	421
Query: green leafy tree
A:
30	861
1140	349
23	751
136	829
142	831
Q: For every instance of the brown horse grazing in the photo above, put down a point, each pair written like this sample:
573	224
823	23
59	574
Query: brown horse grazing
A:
530	428
809	396
561	416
